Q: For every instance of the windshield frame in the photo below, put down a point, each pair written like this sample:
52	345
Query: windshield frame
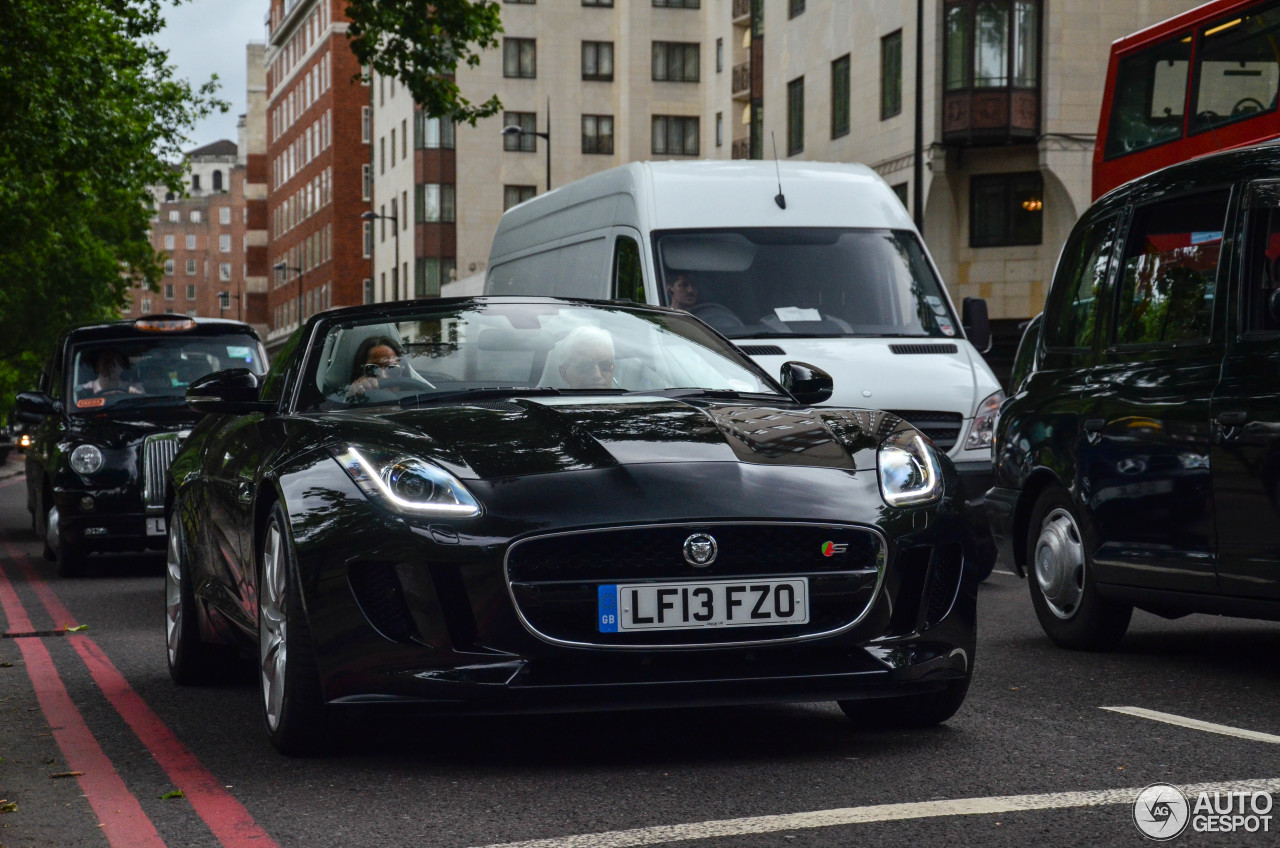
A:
920	264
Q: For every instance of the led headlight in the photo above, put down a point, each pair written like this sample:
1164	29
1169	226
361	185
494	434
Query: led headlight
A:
86	459
983	428
408	484
909	471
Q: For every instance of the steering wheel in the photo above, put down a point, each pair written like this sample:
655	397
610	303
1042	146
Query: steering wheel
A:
717	315
392	384
1239	108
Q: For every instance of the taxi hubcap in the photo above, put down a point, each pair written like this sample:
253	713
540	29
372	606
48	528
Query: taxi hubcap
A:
1059	563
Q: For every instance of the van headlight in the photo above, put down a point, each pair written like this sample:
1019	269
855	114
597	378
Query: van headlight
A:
408	484
909	470
86	459
983	428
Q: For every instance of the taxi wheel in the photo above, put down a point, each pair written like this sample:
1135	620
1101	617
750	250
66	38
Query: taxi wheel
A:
293	708
907	711
191	661
69	556
1061	579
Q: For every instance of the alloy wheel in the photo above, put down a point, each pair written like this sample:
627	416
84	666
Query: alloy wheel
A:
173	591
273	625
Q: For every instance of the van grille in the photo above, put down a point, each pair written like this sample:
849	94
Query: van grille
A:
942	427
158	451
924	348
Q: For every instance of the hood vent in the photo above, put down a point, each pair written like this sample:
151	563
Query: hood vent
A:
924	348
762	350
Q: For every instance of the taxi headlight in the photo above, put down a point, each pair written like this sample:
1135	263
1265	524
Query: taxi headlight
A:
86	459
408	484
909	470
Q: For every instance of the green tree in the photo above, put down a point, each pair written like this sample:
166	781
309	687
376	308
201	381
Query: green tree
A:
92	117
422	42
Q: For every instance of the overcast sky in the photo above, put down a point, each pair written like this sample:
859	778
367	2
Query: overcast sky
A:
207	37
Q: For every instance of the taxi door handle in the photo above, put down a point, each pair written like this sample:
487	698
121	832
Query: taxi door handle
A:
1095	425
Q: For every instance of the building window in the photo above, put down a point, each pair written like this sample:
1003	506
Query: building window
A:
146	305
224	244
432	133
168	242
366	181
168	291
434	203
224	214
675	61
677	4
430	273
794	8
191	291
368	239
1006	209
991	44
719	55
597	60
719	129
603	3
174	216
521	2
526	141
366	124
519	58
840	97
224	270
891	75
191	242
195	216
195	182
382	155
516	194
675	136
795	116
597	134
368	290
191	267
217	181
168	267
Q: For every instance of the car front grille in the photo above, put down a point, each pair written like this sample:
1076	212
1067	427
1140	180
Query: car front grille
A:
158	451
554	579
942	427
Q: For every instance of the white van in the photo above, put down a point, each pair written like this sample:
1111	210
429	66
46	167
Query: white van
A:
806	261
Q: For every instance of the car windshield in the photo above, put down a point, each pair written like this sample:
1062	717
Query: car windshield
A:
486	347
152	371
828	282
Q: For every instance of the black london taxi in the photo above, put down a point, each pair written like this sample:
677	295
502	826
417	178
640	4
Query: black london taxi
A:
1137	459
107	419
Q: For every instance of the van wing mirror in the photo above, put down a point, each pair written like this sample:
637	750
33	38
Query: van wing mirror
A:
34	407
808	384
230	392
977	326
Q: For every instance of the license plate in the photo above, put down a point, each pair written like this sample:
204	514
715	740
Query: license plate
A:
712	603
155	527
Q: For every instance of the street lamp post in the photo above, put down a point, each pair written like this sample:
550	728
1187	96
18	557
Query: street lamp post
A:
546	136
395	235
285	267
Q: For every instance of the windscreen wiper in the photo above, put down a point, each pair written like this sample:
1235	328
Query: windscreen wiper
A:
485	393
710	394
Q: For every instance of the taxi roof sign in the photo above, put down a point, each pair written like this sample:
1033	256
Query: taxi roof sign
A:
165	323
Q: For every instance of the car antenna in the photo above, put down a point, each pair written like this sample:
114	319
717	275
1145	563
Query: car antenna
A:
779	199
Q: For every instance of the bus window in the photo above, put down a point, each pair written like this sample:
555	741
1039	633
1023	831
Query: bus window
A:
1238	70
1150	91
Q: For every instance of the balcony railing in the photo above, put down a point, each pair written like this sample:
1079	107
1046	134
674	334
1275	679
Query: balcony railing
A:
742	79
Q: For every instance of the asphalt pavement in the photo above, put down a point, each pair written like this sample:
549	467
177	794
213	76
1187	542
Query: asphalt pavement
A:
1038	755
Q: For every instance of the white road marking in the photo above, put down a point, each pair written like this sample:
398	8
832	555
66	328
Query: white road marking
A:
1002	571
863	815
1195	724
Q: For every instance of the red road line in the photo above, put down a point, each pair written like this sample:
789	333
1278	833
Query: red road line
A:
123	821
230	822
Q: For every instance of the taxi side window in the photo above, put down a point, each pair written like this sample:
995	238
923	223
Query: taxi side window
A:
1169	273
1261	282
1079	285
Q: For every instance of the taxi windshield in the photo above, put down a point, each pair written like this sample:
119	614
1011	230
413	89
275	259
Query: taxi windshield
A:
133	372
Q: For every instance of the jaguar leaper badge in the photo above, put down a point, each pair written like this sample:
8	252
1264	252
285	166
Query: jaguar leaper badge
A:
700	550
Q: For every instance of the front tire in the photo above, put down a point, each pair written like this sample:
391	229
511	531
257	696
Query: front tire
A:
192	662
1064	591
908	711
293	708
69	556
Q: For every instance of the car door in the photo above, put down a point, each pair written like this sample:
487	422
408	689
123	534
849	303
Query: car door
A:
1147	484
1245	455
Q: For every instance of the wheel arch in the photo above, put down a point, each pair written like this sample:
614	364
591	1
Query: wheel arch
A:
1037	482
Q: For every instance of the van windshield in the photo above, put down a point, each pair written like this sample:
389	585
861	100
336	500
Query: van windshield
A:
815	282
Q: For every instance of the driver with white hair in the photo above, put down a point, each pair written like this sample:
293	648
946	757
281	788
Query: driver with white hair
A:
587	362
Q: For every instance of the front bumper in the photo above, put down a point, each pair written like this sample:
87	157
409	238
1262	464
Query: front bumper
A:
111	526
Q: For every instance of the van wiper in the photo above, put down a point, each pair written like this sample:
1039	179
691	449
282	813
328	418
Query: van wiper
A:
478	394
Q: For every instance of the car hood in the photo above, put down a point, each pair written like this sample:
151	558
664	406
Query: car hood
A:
123	428
522	436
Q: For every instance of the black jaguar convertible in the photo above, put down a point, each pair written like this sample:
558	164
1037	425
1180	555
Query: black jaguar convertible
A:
516	504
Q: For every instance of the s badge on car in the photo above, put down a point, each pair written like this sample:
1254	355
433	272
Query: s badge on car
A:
700	550
830	549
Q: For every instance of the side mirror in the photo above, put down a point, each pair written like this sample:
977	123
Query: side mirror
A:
807	383
230	392
34	407
977	326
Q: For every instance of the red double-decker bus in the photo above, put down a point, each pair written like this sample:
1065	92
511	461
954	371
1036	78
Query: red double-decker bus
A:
1202	81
